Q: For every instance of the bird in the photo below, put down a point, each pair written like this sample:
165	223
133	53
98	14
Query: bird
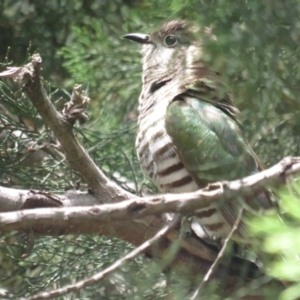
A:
189	134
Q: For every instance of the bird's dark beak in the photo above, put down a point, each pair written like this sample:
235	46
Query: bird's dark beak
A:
138	37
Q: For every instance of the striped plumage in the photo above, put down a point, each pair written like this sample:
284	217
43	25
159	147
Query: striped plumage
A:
160	162
188	134
156	152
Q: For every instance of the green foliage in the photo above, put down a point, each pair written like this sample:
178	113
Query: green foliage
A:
20	126
61	261
282	240
257	51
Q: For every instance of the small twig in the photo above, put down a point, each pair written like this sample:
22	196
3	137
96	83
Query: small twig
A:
29	244
103	274
218	258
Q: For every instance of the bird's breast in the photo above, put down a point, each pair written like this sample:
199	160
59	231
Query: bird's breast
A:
160	161
157	154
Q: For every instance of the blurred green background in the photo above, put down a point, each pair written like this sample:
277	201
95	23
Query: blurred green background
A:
257	51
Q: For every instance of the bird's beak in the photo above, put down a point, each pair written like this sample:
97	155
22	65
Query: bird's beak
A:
138	37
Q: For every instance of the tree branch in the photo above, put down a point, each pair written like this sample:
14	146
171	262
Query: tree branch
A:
117	264
61	125
138	208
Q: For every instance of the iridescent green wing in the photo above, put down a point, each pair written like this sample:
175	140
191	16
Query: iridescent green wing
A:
211	147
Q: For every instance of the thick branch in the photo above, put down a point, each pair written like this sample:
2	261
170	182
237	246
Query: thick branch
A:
138	208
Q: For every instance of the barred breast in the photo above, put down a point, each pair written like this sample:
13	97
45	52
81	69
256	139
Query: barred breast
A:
157	154
160	162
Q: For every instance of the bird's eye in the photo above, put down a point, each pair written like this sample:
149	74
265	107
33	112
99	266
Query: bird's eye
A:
170	41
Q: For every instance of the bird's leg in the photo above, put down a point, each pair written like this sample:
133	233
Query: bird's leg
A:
185	227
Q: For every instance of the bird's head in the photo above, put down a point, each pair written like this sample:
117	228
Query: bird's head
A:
170	50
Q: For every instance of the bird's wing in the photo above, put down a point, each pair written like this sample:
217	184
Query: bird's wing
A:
211	147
